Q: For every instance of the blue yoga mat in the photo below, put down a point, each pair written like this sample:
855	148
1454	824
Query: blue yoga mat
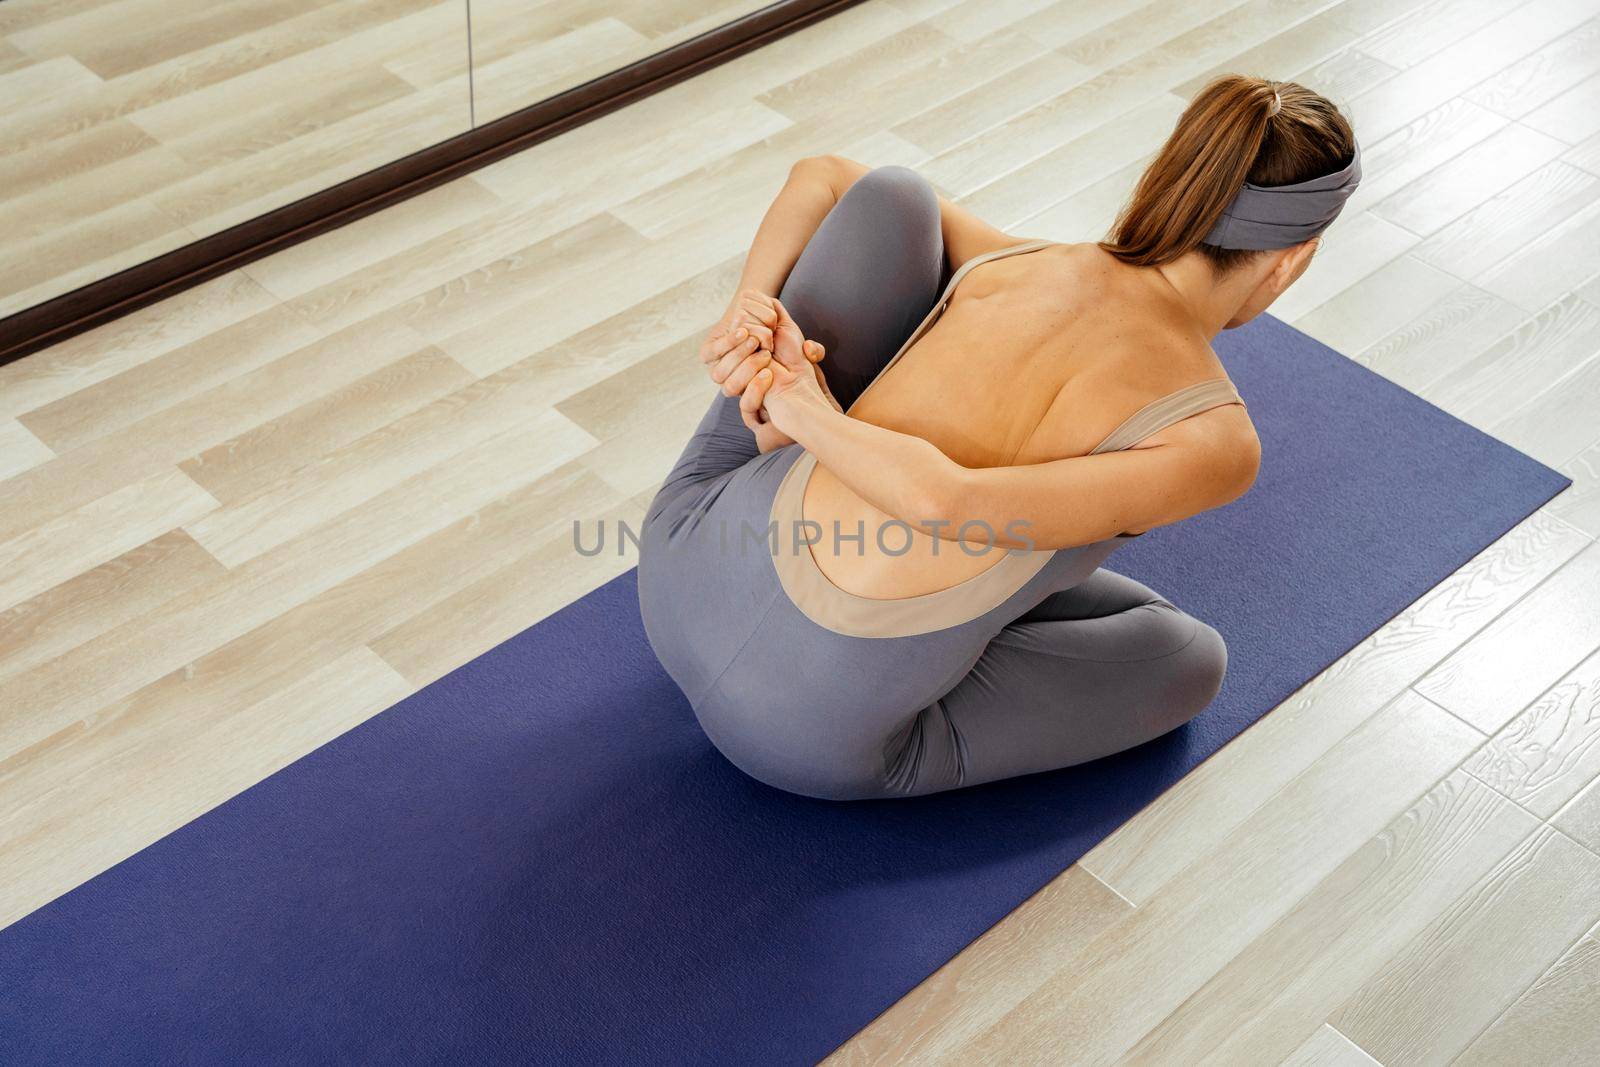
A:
540	858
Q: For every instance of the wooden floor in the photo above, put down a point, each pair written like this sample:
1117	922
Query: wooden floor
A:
237	523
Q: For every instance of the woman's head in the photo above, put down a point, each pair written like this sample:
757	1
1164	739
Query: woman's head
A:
1240	130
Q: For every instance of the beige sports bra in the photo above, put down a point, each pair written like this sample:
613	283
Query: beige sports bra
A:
849	613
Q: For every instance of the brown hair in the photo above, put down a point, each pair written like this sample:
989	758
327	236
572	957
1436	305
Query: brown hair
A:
1235	130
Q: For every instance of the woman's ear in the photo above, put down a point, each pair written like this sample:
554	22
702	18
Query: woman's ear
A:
1292	263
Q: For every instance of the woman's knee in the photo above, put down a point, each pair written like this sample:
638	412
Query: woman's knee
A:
868	275
1194	673
896	195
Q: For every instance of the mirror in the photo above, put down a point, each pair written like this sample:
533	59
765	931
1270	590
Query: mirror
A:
133	128
524	51
141	140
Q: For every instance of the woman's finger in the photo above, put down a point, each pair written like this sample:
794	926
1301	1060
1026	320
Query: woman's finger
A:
732	358
728	363
736	382
760	332
758	306
716	342
753	397
717	346
784	320
814	351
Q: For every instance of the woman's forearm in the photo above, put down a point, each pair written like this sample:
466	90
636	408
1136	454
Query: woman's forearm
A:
1052	504
813	187
910	479
897	473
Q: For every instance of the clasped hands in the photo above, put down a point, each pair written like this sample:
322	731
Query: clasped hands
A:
757	353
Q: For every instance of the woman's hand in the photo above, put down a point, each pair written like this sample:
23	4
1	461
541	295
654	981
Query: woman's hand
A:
731	360
773	401
741	342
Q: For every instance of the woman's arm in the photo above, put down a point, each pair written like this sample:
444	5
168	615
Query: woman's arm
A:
1202	463
815	184
742	340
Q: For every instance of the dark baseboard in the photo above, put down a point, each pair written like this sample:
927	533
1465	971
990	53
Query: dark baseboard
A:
128	290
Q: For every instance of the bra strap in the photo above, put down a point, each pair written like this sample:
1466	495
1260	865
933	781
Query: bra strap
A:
1174	407
955	280
998	253
944	298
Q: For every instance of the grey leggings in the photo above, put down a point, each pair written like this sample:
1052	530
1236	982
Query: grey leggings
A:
1077	664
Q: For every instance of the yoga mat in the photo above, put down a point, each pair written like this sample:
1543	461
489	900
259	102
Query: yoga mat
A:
540	858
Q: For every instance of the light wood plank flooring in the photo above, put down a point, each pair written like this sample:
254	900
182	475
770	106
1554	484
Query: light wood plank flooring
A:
243	520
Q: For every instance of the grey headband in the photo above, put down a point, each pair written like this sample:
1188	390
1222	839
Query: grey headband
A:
1263	217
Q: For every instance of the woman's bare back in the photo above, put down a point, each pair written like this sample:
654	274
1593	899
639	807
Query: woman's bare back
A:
1037	357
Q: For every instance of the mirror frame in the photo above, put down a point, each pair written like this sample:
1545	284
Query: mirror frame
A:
73	312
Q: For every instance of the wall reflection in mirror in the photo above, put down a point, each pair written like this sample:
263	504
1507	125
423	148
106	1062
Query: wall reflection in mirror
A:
129	128
524	51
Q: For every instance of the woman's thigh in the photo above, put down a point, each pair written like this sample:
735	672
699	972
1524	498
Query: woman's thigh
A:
869	275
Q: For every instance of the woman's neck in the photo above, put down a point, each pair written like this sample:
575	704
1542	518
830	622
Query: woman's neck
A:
1209	298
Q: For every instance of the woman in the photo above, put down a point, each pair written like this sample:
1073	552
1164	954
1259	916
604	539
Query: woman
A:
906	598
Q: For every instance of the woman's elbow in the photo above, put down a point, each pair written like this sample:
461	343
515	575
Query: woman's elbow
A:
834	171
926	507
943	503
1244	466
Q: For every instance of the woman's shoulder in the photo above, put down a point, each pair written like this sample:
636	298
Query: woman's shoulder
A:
1152	350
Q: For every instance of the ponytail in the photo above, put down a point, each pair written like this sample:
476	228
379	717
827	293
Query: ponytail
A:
1237	129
